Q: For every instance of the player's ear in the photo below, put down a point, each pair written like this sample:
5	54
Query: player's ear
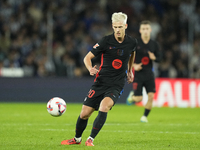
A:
150	30
126	26
140	31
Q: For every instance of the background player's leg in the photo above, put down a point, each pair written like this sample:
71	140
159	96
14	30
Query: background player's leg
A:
136	94
148	107
132	99
149	103
137	98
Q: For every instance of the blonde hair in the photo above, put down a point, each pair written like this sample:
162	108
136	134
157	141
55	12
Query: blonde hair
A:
119	17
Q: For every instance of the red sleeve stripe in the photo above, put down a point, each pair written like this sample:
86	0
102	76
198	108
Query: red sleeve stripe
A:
99	68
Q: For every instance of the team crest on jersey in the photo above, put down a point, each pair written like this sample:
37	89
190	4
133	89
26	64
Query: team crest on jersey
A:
120	52
96	45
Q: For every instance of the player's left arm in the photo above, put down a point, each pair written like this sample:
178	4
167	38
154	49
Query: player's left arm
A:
157	53
130	75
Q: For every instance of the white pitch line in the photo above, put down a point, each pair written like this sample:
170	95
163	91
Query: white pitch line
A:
128	131
107	124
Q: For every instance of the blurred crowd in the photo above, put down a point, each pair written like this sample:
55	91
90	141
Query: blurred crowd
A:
25	34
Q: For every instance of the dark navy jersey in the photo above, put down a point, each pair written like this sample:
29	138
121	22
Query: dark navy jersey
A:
114	59
143	56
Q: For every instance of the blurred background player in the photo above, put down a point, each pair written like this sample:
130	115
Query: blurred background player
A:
147	51
117	56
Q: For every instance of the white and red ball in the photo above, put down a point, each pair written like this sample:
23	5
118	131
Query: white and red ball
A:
56	106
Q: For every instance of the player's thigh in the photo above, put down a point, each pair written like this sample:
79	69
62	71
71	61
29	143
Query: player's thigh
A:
137	87
94	97
111	96
150	85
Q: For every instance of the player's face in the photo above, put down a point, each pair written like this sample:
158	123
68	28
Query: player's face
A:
119	29
145	30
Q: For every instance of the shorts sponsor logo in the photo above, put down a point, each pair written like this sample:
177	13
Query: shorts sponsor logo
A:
85	99
113	95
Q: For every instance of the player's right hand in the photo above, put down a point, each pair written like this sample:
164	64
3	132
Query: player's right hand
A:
130	77
93	70
138	67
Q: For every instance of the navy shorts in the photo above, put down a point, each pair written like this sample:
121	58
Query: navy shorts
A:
98	92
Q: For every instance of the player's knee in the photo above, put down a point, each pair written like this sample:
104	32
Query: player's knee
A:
105	108
137	98
106	104
150	96
84	116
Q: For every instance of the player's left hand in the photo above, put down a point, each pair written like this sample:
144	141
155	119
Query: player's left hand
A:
93	70
151	55
130	77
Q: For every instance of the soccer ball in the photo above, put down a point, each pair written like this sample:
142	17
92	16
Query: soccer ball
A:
56	106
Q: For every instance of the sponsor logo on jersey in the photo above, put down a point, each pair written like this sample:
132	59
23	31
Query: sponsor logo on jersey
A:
145	60
117	63
96	45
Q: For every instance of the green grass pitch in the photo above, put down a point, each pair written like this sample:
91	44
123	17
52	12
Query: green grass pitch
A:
28	126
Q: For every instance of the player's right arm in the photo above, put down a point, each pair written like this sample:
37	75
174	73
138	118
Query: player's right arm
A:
130	75
88	63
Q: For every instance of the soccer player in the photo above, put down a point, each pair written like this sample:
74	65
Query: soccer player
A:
117	56
147	51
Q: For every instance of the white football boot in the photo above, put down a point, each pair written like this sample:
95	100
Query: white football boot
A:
144	119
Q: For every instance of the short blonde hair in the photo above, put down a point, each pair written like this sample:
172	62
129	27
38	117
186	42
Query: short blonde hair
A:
119	17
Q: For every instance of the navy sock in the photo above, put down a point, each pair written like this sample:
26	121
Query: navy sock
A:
146	112
80	126
98	123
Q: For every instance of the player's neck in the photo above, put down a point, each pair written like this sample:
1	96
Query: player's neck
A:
120	39
145	39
